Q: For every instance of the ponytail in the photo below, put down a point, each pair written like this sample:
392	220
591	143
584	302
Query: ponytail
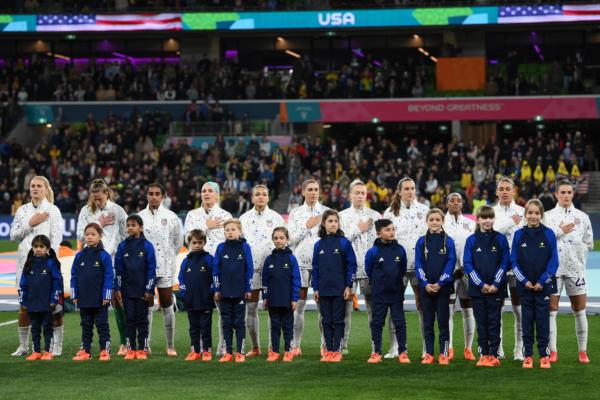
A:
396	202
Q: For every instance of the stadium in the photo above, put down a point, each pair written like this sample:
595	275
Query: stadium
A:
174	124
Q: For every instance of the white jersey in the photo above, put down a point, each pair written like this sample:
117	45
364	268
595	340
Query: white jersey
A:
302	239
163	229
196	219
112	234
258	230
573	247
21	231
459	229
411	224
361	242
504	222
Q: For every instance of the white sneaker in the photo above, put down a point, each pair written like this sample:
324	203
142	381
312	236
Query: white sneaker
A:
518	355
20	352
393	353
501	353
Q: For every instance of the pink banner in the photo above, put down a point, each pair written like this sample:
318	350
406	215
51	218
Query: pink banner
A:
471	109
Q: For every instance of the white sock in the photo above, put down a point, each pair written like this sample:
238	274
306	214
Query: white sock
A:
348	322
518	328
150	318
422	327
552	332
57	339
393	339
369	304
169	322
252	323
24	337
468	326
451	308
581	329
299	322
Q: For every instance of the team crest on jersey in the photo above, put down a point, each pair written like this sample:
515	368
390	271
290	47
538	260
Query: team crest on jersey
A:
44	272
397	259
271	266
141	254
97	264
577	221
240	257
336	251
164	222
285	266
542	245
478	250
420	215
465	226
270	223
494	248
442	251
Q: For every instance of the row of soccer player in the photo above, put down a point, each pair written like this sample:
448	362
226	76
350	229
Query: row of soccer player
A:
162	229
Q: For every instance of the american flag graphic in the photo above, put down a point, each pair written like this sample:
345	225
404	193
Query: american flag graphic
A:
117	22
548	13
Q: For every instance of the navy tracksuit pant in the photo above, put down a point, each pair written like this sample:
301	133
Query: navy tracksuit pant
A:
536	319
333	312
89	317
378	321
436	306
488	316
136	318
233	317
200	329
282	318
41	321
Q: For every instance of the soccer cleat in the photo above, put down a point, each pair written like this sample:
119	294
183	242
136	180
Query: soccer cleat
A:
141	355
104	355
443	360
206	356
193	356
528	363
483	361
428	359
131	354
296	351
171	352
273	356
374	359
288	356
403	358
583	357
553	356
47	356
326	357
122	350
20	352
227	357
323	351
393	353
240	358
34	356
468	354
82	355
335	356
254	352
493	361
518	355
450	354
545	362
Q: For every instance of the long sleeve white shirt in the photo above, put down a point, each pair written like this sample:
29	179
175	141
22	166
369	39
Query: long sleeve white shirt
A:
302	239
504	222
459	229
411	224
361	242
112	234
196	219
257	228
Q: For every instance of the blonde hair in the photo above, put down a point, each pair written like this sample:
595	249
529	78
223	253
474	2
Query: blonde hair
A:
356	182
234	221
49	191
98	185
435	211
537	203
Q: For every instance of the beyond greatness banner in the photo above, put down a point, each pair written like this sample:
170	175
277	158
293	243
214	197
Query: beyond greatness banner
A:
325	19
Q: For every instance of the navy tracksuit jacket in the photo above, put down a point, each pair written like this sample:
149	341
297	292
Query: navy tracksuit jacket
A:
196	290
333	270
232	275
281	283
534	259
92	282
486	260
385	265
435	259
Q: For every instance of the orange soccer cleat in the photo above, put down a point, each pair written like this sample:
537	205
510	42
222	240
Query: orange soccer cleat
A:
82	355
428	359
528	362
254	353
326	357
443	359
272	356
47	356
193	356
374	359
468	354
451	354
141	355
484	361
34	356
171	352
553	356
545	362
206	356
288	356
296	352
403	358
240	358
227	357
104	355
335	356
131	355
583	357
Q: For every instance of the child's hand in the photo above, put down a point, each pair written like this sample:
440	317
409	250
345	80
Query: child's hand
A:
149	299
118	297
248	296
347	293
104	302
265	304
294	303
538	287
217	296
437	287
429	288
316	296
493	289
529	286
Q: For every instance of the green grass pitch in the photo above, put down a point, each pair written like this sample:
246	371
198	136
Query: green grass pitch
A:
304	378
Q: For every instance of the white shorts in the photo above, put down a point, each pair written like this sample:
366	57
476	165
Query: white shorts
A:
256	281
363	285
305	275
163	282
573	286
461	288
411	277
